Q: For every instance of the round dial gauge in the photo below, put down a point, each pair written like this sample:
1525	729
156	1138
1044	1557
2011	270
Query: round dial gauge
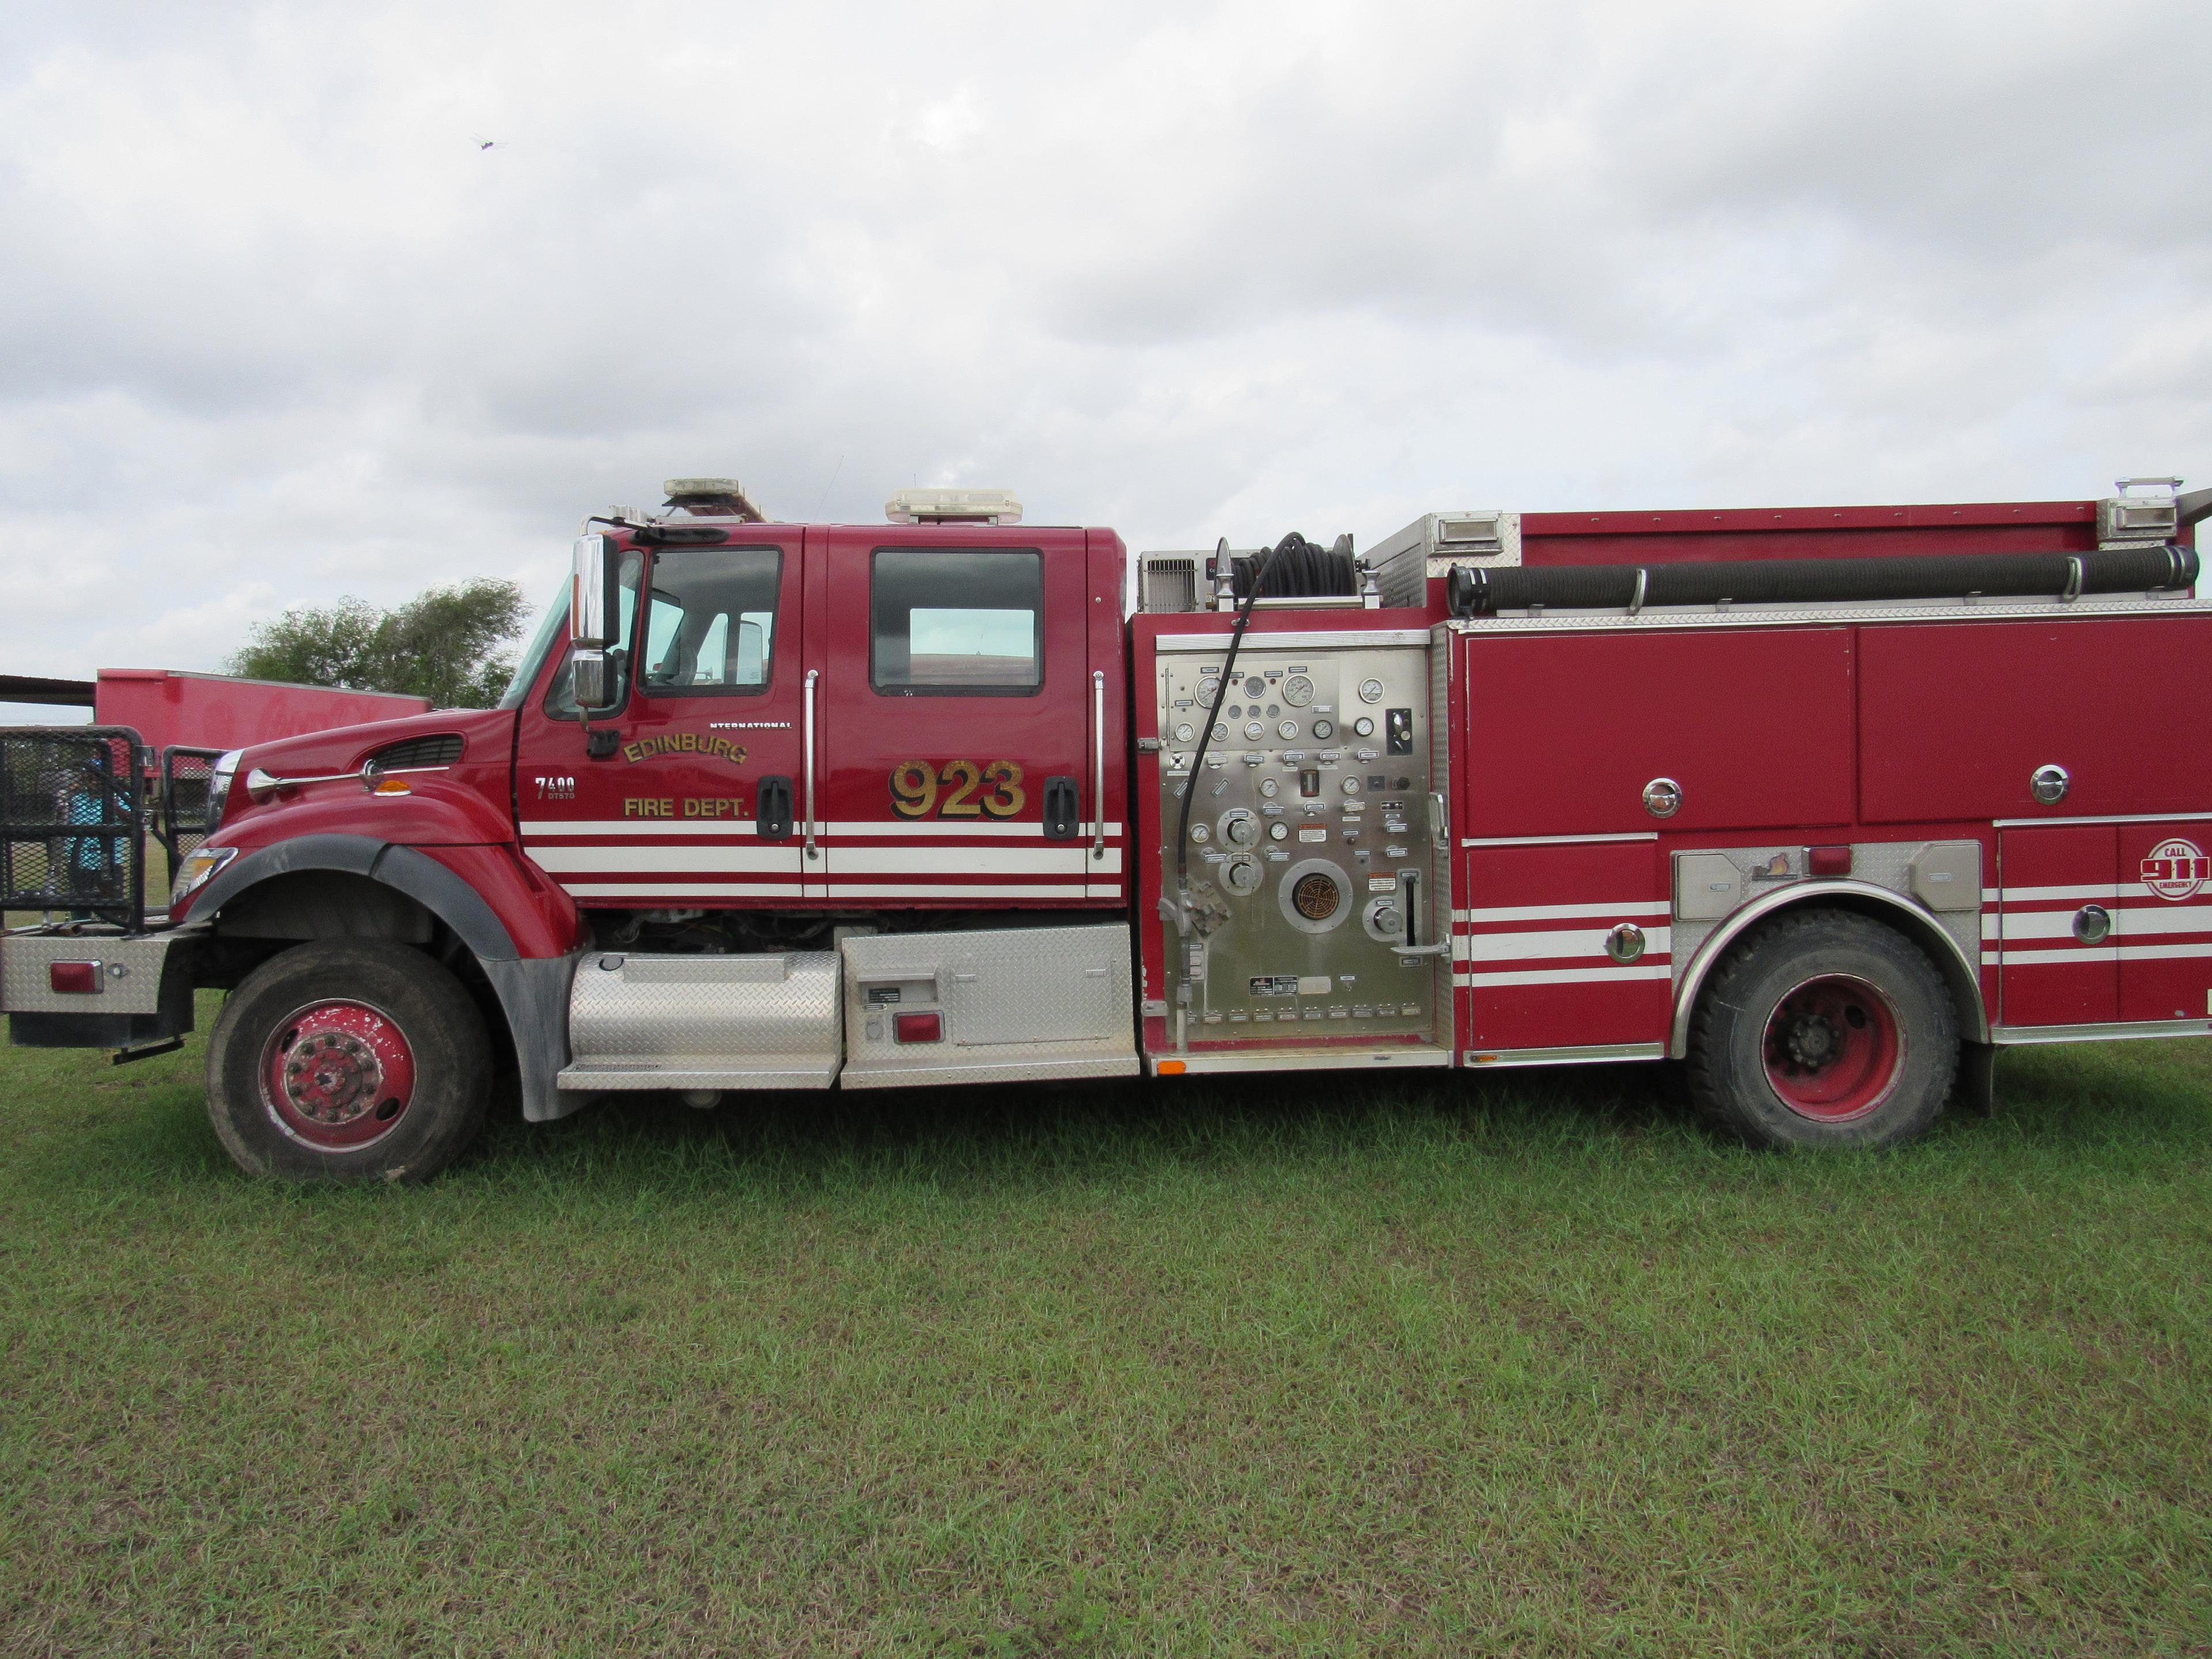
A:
1255	687
1269	788
1184	733
1239	828
1278	832
1255	731
1221	731
1297	691
1370	690
1351	785
1201	835
1365	726
1324	730
1242	876
1208	691
1288	730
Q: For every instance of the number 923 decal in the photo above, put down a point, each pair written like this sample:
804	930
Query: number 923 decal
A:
950	789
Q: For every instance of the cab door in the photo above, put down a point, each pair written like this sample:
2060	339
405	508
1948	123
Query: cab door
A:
958	717
694	801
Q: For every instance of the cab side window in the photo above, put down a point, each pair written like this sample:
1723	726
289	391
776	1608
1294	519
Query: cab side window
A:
957	624
710	629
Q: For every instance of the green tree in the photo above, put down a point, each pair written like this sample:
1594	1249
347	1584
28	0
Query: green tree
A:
443	644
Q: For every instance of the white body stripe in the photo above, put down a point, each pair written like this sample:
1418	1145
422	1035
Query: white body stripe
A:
1559	975
612	829
1554	943
1068	861
675	861
1550	912
680	889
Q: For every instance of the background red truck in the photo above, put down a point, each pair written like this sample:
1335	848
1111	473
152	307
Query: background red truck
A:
1828	804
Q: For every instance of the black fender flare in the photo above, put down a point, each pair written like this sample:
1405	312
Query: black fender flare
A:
403	869
533	991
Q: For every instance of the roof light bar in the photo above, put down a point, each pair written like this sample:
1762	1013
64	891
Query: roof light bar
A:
953	507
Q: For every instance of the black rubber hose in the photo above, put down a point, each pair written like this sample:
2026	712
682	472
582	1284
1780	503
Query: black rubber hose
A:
1304	572
1262	580
1474	592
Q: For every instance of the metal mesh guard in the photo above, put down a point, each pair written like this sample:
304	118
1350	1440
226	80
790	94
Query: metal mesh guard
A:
72	835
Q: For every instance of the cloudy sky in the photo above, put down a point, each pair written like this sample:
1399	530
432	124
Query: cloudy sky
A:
277	327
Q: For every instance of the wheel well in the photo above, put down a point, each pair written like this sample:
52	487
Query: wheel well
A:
303	906
1960	977
316	904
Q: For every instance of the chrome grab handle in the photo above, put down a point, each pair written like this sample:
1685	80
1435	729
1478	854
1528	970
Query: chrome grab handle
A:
1097	763
813	675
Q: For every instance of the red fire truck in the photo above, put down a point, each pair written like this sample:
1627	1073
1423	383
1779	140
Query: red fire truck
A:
1828	804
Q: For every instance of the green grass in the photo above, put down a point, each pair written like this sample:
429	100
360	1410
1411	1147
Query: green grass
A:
1325	1366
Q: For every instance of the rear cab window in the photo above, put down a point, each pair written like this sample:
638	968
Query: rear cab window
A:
956	623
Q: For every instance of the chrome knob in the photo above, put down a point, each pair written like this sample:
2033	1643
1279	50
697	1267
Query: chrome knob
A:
1663	798
2093	924
1624	943
2049	784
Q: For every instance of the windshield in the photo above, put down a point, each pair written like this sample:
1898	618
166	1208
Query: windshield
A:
553	629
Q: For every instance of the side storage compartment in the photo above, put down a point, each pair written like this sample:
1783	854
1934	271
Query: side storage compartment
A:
1683	729
703	1022
2104	699
1006	1005
1563	952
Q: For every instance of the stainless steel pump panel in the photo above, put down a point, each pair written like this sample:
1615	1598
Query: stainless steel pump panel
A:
1315	908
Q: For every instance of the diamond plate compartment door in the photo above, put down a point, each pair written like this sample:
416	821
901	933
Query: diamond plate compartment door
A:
1006	1005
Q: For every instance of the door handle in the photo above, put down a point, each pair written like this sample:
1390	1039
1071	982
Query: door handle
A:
813	675
1098	764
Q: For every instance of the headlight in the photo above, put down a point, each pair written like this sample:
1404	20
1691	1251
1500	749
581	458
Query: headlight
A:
226	769
194	872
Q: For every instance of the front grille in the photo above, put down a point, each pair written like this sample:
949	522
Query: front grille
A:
441	749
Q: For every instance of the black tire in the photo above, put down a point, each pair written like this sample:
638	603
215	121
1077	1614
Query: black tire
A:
375	1014
1824	1028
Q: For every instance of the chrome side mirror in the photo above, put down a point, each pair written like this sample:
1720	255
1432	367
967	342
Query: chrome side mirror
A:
594	619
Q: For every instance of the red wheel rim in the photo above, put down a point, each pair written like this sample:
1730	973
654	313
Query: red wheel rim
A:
1833	1048
337	1075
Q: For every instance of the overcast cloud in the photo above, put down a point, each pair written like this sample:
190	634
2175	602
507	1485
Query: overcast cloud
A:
276	328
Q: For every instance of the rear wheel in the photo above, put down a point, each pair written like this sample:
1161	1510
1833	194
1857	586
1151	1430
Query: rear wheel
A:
351	1062
1823	1028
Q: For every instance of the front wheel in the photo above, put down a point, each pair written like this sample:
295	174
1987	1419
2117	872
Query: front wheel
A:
1823	1028
348	1061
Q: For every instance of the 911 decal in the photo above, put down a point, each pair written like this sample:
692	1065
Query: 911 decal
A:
948	789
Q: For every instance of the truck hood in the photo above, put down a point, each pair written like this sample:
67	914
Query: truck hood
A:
468	800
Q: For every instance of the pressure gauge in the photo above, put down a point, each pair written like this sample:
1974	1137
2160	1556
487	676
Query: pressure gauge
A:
1269	788
1323	731
1199	835
1279	831
1288	730
1221	731
1254	730
1208	691
1370	690
1297	691
1184	733
1365	726
1351	785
